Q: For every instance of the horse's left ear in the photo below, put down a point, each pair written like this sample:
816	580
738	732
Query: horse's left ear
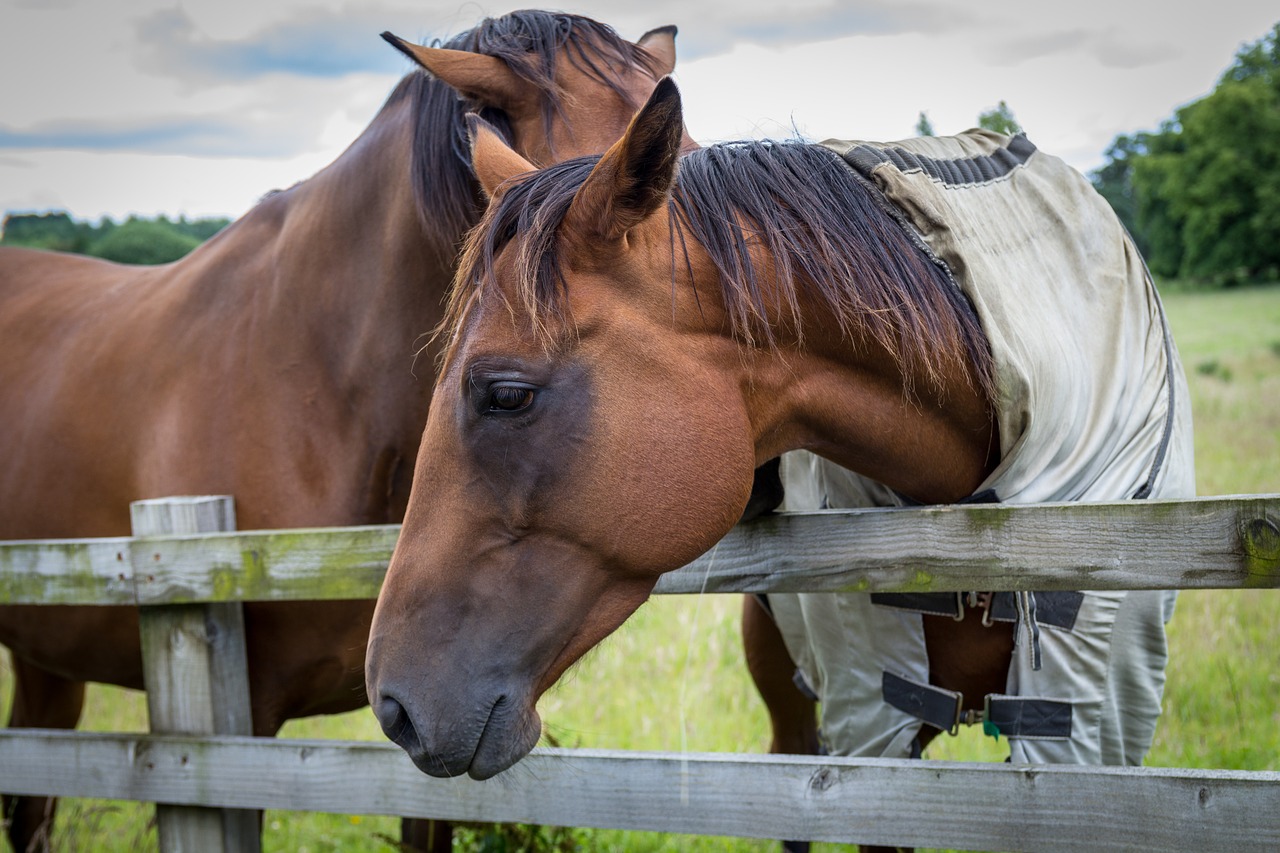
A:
634	177
486	79
491	158
660	43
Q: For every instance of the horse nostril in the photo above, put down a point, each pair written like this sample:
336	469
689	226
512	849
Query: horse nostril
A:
395	722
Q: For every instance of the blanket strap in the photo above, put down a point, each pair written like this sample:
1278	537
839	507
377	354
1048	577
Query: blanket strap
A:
1011	716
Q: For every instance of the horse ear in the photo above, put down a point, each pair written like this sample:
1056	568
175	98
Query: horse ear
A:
660	43
486	79
491	158
633	178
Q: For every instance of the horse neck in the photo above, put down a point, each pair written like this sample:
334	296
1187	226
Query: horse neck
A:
843	395
353	234
340	261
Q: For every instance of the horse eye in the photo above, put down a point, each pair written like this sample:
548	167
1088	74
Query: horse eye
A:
510	398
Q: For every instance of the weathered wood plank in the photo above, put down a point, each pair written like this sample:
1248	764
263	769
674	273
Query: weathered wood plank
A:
873	801
195	667
1211	543
271	565
67	571
1205	543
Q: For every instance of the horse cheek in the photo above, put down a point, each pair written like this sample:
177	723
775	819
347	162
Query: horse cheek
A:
689	477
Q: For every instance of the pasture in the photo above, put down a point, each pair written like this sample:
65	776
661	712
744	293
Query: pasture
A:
672	677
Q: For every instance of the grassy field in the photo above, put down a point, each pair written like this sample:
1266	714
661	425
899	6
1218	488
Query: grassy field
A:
672	677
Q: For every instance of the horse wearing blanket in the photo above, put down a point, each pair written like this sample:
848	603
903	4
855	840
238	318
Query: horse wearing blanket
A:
630	336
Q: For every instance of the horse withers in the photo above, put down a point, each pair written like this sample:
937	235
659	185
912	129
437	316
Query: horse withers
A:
631	336
277	363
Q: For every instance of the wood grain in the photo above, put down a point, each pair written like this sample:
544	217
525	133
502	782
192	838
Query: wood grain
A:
868	801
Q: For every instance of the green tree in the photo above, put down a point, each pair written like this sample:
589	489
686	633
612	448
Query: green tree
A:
141	241
1000	120
924	127
1156	226
1205	189
55	230
201	229
1114	182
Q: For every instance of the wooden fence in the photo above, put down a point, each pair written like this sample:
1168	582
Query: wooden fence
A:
202	768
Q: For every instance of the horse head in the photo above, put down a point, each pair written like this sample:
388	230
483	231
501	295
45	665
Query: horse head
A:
561	90
578	446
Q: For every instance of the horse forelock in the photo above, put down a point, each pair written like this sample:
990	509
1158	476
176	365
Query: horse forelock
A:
531	206
529	42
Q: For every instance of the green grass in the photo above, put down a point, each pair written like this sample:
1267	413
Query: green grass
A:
672	678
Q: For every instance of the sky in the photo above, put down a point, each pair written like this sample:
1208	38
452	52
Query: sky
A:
199	107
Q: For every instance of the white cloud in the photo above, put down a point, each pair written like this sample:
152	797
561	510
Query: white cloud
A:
1075	75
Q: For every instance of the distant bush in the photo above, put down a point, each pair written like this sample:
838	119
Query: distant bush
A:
135	241
55	231
142	241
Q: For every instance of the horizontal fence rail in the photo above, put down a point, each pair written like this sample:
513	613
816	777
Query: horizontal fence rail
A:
871	801
1206	543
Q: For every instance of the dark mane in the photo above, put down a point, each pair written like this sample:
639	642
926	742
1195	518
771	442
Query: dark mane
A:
528	41
831	243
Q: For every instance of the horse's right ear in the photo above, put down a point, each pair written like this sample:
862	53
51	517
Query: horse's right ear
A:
634	177
491	158
660	43
483	78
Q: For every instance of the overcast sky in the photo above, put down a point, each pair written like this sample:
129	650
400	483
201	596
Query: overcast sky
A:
198	107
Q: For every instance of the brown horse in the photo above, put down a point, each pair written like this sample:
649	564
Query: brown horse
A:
624	348
277	363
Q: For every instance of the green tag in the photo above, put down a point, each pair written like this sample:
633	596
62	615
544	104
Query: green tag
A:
991	729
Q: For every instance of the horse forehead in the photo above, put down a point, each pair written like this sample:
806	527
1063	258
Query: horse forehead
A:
601	111
494	323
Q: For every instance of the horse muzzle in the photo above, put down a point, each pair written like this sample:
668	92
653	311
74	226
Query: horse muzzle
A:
482	742
452	714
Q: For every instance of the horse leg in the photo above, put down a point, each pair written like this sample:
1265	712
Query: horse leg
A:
425	835
792	714
40	700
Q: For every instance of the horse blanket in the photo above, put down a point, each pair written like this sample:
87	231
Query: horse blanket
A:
1092	405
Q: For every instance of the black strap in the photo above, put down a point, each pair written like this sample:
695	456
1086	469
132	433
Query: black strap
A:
1017	716
1057	608
933	603
937	707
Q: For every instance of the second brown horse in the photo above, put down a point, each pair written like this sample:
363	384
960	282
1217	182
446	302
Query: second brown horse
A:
277	363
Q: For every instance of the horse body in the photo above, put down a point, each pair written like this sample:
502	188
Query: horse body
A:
278	362
624	352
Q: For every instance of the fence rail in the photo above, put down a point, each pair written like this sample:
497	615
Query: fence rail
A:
1207	543
878	801
1213	543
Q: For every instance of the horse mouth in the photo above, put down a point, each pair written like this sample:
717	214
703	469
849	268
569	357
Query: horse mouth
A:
506	735
509	735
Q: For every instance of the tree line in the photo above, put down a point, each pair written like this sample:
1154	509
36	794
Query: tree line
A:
137	240
1201	195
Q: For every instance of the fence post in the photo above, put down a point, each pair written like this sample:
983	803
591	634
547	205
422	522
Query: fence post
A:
196	673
